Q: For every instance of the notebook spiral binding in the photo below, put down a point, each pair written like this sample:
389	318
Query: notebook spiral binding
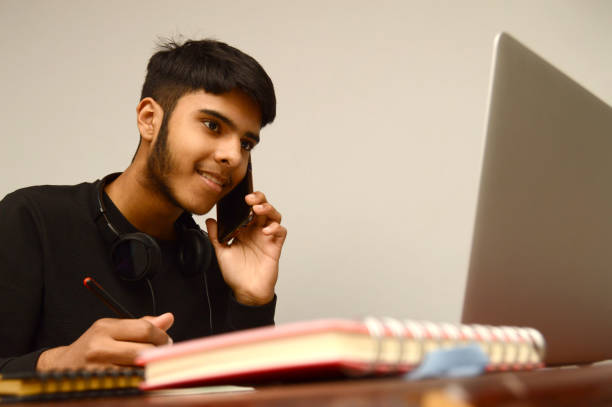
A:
68	384
508	347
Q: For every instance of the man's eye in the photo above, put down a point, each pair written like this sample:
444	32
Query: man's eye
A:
212	125
247	145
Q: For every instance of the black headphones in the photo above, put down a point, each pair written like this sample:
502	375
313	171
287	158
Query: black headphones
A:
137	256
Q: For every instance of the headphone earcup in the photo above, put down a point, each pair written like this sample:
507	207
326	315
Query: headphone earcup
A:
136	256
195	252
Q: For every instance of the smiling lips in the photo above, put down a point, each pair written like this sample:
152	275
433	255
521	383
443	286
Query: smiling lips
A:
216	179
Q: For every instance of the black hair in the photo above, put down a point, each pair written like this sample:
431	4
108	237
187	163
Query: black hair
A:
208	65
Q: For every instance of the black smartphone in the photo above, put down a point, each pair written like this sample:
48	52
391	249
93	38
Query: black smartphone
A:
233	212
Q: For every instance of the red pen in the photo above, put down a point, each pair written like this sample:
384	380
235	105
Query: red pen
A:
102	294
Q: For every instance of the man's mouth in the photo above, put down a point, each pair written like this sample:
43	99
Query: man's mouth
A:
215	178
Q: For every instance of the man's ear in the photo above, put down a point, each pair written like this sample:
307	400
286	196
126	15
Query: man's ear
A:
149	116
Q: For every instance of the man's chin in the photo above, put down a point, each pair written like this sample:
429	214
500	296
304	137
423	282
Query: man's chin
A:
199	209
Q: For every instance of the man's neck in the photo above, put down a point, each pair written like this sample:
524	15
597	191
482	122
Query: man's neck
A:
143	205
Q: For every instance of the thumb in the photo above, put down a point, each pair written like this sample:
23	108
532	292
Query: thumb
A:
163	321
213	234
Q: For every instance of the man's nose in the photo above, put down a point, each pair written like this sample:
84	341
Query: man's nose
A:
228	152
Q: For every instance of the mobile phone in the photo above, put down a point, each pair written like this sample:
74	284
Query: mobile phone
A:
233	212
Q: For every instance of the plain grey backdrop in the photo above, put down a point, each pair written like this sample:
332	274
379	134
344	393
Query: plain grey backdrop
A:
374	158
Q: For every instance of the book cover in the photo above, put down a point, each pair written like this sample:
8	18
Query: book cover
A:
330	348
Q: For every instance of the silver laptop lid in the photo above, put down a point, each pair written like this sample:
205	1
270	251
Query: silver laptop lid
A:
542	245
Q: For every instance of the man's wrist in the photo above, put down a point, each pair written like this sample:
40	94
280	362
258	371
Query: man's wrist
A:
251	300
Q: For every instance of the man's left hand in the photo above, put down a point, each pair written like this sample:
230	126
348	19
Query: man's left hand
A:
250	264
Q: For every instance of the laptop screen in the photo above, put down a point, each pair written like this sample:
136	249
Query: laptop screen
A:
542	244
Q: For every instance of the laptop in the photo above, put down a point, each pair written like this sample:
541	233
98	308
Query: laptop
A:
542	245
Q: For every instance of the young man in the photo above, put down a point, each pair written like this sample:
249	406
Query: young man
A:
202	107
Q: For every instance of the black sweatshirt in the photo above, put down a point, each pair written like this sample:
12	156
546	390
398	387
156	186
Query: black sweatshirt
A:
49	243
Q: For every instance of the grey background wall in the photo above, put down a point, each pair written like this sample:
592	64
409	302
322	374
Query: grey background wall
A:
374	158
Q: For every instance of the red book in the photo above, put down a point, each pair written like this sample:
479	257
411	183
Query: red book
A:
330	349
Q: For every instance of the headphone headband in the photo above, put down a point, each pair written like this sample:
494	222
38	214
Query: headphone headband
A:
136	256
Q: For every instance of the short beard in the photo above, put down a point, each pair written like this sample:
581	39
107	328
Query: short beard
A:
159	165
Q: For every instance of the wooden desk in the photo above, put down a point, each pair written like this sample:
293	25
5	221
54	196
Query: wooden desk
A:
559	387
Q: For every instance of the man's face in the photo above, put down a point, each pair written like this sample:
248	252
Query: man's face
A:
207	148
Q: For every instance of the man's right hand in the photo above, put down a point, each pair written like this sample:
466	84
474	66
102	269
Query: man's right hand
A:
109	343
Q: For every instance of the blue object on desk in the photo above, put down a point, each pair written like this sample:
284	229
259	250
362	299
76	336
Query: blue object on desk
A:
469	360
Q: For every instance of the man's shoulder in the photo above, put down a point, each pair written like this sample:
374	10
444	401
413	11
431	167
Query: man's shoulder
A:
51	197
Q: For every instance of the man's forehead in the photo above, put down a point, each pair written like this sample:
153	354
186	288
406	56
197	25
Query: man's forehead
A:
234	104
234	96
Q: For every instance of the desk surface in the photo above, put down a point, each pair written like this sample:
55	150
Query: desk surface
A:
559	386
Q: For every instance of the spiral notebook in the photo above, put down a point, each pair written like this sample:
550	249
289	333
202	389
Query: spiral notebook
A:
326	349
67	384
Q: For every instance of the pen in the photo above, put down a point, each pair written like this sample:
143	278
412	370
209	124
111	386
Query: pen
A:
102	294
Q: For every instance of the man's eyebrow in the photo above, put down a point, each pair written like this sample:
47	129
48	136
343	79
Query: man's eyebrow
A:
229	122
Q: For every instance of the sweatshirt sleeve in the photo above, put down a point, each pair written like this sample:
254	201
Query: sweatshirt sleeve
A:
21	286
242	316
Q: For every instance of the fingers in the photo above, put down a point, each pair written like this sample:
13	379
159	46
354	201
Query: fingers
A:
213	234
111	342
163	321
267	210
131	330
255	198
129	337
264	211
276	230
267	219
115	353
